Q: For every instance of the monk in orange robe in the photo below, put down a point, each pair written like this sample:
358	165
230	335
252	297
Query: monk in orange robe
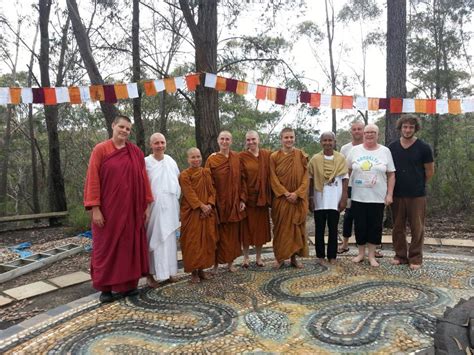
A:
255	166
198	218
118	194
289	180
225	172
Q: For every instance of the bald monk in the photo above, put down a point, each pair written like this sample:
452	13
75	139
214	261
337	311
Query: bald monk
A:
163	173
198	218
225	172
118	194
289	181
255	166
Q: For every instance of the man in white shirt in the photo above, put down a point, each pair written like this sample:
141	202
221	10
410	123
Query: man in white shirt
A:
327	194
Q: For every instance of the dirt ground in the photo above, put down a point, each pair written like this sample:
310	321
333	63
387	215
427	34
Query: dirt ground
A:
46	238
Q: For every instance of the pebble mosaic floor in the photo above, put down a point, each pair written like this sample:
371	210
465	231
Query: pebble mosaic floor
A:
319	309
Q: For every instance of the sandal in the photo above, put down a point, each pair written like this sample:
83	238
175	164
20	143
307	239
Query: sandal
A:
342	251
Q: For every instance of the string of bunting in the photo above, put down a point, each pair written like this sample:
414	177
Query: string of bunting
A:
111	93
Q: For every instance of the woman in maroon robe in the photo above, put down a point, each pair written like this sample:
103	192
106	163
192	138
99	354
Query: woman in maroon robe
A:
117	192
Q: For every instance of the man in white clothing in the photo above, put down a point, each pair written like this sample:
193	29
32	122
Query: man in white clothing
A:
163	173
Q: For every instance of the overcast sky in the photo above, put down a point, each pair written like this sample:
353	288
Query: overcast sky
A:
301	55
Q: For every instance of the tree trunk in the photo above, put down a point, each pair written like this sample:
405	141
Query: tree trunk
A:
109	110
204	33
330	33
5	162
8	132
56	191
31	127
137	103
396	61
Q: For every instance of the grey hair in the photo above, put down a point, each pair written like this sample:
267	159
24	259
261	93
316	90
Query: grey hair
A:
327	133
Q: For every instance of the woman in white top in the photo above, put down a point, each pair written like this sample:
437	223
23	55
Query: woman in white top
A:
372	174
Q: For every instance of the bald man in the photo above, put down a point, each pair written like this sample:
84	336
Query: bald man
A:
163	173
230	200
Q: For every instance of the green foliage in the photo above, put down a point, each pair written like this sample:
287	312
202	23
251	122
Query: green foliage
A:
78	219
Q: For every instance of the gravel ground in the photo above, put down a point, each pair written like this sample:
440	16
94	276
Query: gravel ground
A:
47	238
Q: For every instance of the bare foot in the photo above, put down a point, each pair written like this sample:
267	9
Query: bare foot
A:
332	261
415	267
195	277
373	262
395	262
151	282
358	258
321	261
215	270
296	264
231	268
204	275
277	264
260	263
173	279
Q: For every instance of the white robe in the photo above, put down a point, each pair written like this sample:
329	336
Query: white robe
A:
164	216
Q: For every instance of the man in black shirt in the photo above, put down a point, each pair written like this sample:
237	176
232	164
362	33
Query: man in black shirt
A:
414	165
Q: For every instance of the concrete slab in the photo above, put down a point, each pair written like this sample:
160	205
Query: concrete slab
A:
467	243
5	300
70	279
432	241
30	290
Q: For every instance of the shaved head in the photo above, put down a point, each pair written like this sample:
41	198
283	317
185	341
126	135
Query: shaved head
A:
156	136
192	150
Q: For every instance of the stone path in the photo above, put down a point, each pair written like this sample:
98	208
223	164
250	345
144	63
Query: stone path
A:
341	308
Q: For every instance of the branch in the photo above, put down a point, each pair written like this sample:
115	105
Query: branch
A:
227	65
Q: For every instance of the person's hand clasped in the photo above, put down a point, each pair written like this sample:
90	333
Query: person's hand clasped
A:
292	197
205	210
242	206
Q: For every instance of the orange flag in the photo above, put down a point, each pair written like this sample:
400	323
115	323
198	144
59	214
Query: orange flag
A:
15	95
454	106
242	87
74	95
373	103
396	105
336	101
97	93
271	93
420	105
221	83
170	85
121	91
49	96
347	102
315	100
431	106
192	81
261	92
149	87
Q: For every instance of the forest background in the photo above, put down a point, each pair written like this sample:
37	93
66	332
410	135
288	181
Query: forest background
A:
402	48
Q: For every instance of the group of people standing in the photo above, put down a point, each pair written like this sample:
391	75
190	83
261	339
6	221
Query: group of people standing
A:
137	204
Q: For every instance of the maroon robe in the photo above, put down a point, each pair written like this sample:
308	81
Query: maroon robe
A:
120	248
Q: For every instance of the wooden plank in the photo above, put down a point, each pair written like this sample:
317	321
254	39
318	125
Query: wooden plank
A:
26	217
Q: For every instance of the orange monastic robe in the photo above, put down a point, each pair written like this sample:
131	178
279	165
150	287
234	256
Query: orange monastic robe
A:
255	229
198	234
225	174
289	173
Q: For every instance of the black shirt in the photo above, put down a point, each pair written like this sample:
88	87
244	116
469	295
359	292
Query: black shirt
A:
410	169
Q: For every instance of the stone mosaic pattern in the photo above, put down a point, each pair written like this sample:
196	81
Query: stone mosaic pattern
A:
343	308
